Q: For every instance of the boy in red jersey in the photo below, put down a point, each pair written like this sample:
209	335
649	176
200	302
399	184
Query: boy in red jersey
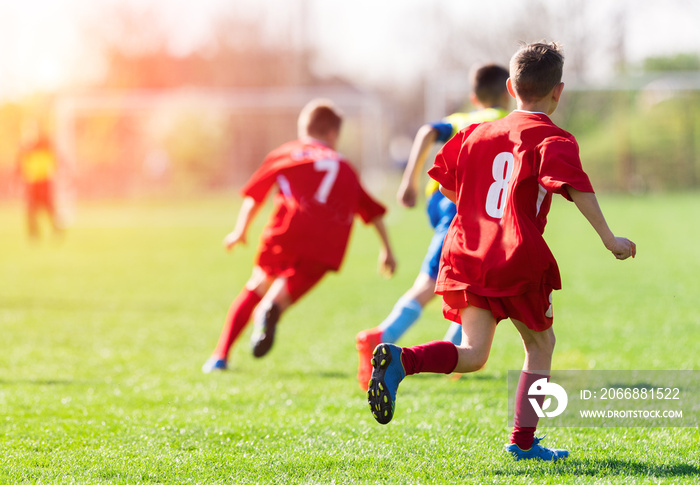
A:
495	263
308	231
490	97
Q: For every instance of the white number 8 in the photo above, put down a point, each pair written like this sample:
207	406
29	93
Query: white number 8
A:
502	171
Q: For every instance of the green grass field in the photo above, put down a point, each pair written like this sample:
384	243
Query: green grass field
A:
104	335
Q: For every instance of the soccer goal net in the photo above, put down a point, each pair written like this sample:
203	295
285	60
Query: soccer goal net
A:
133	142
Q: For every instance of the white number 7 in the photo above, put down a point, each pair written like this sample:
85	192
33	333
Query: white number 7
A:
331	168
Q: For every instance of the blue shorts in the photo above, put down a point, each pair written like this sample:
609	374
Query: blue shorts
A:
441	211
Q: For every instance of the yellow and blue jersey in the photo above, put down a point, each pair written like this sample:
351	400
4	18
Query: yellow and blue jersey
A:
440	209
450	125
38	163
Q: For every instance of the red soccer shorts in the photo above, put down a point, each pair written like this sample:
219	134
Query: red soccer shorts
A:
40	195
533	308
301	275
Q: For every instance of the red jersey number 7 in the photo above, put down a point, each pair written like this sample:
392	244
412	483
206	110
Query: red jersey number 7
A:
330	167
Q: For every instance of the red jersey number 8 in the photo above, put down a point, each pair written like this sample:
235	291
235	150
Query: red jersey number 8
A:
502	171
331	168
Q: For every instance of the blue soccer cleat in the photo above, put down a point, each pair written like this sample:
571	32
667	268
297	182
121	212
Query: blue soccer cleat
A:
387	373
536	452
214	364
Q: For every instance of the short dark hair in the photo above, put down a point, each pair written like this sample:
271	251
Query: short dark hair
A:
489	83
318	118
535	69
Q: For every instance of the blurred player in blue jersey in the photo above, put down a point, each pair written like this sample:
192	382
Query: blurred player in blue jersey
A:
490	96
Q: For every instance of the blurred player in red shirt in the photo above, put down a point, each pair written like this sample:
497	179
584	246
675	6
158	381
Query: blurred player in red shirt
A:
495	262
37	165
308	231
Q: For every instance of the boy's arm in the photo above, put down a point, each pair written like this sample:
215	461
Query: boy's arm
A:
408	190
245	216
587	203
450	194
387	263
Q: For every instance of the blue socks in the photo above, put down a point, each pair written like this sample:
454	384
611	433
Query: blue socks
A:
454	333
405	313
402	316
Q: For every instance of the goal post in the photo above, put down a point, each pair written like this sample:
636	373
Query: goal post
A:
115	139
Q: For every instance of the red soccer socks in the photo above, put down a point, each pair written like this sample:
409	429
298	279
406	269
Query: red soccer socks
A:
525	416
438	357
236	320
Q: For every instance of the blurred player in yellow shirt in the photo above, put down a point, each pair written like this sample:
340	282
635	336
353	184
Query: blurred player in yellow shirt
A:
37	164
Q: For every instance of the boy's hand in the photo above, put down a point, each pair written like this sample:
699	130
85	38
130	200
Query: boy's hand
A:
387	264
233	238
407	195
622	248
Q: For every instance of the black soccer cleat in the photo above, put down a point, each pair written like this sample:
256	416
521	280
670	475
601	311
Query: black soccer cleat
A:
262	339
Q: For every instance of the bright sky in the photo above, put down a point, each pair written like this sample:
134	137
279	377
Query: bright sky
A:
46	43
